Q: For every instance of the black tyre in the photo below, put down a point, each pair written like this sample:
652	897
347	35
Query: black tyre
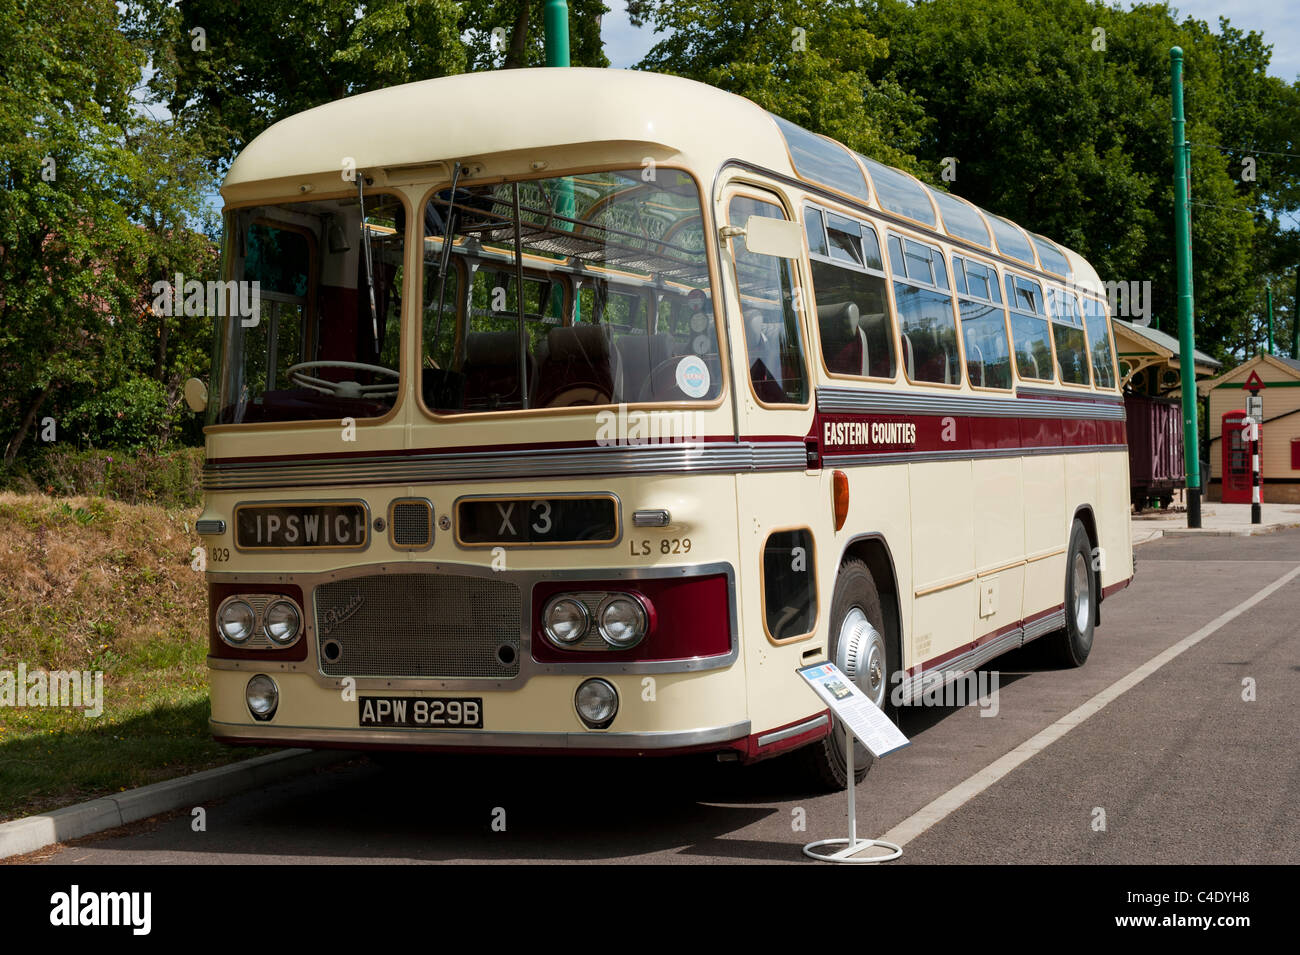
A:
1073	644
861	647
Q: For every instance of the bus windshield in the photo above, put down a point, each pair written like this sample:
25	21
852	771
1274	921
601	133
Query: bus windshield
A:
311	347
615	304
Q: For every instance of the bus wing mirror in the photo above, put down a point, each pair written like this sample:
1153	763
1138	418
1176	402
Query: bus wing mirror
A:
779	237
196	395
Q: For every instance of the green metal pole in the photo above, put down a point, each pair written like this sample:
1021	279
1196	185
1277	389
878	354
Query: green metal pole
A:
1183	252
1269	293
556	20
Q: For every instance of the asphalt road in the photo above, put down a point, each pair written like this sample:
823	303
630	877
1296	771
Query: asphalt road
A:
1179	768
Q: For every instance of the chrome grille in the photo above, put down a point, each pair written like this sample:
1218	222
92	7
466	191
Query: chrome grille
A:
412	524
419	625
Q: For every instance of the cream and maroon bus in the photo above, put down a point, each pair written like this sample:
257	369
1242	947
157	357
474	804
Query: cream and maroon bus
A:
579	409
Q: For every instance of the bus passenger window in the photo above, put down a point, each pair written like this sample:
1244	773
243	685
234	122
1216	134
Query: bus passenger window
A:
926	324
1103	362
772	337
1068	336
856	335
1029	329
789	584
983	325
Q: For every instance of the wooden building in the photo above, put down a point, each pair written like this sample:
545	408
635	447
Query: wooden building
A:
1279	433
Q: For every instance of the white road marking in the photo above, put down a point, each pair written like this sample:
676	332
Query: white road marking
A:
959	795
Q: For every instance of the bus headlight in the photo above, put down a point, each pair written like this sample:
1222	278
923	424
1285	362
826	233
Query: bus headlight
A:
597	703
235	621
281	621
262	696
622	621
565	621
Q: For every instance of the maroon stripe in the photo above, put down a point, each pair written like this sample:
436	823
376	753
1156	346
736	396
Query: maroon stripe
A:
974	644
1115	588
1071	396
957	433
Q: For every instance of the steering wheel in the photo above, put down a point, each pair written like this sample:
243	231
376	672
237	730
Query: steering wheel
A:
344	389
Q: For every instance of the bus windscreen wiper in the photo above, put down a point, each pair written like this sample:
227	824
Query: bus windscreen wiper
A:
448	233
370	269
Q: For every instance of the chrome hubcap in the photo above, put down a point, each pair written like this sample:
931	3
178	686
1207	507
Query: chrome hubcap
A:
860	655
1082	593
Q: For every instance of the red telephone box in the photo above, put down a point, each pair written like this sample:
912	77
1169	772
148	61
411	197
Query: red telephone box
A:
1236	459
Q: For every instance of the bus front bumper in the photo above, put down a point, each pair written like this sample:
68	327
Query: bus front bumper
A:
594	742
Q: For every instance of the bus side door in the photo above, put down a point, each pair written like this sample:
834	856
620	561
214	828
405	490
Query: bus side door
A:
786	578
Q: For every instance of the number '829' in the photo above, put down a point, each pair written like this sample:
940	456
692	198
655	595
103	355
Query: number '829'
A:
445	712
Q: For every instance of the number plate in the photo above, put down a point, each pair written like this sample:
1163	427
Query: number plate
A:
485	522
460	712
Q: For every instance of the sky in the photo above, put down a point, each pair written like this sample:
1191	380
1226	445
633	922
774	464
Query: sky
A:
1278	20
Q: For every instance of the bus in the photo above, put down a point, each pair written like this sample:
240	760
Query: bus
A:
579	409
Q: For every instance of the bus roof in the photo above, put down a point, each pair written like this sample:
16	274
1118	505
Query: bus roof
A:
473	115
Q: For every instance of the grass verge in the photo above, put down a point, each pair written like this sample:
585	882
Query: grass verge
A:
88	584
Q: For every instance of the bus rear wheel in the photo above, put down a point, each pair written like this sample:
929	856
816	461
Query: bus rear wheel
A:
1073	643
860	648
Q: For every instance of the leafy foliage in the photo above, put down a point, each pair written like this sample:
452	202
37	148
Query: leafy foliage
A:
256	63
96	196
814	62
520	40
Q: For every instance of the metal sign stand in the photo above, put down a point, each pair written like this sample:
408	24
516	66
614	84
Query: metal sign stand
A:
852	845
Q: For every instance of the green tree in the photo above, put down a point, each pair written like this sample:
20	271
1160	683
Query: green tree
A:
228	69
814	62
1058	114
95	194
506	34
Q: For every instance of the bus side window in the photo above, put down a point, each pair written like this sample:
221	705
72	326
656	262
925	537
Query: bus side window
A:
789	584
983	325
854	329
926	325
1029	332
1103	362
1069	337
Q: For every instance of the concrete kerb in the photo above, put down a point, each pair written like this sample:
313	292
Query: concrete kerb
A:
1248	530
36	832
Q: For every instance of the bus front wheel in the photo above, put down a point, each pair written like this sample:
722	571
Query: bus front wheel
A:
1074	642
860	648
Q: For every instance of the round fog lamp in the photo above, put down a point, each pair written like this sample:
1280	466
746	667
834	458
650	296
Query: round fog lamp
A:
565	621
281	622
262	696
597	703
622	621
235	621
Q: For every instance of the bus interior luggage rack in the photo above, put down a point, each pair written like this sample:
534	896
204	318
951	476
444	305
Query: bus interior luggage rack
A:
615	248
